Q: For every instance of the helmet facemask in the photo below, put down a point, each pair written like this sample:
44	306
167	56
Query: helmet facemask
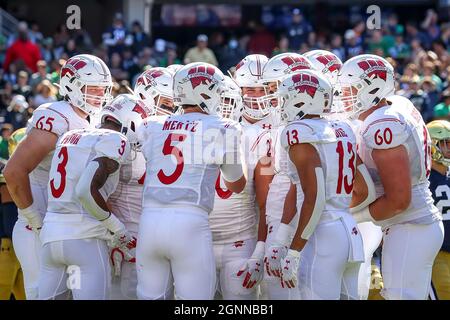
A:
161	108
258	107
439	150
231	105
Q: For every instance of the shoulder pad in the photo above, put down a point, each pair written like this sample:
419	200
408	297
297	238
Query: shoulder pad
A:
113	145
48	118
307	131
383	131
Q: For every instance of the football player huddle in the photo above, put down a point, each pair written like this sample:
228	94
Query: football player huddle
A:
278	181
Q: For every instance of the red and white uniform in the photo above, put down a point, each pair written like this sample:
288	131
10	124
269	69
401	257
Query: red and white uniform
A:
371	234
234	218
329	270
184	154
391	126
126	204
70	235
276	196
58	118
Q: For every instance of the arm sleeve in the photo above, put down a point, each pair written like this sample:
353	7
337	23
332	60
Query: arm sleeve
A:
231	166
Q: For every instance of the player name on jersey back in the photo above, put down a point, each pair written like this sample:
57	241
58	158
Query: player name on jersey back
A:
66	218
184	154
335	144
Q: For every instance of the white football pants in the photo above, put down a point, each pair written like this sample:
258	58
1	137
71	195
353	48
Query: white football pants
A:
27	244
175	251
324	270
80	265
407	259
229	260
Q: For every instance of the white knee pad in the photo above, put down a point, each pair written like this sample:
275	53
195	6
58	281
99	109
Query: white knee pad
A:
231	284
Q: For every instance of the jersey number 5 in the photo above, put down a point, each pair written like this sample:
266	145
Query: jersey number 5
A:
61	169
168	149
349	156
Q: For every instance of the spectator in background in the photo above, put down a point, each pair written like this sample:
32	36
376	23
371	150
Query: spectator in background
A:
129	63
261	41
283	46
5	99
22	87
17	112
298	30
61	36
401	49
34	34
430	26
140	38
117	37
46	92
201	52
159	50
6	131
378	41
419	97
171	56
352	48
336	46
445	34
40	75
429	70
216	43
231	55
148	58
56	67
47	50
23	49
116	67
71	48
443	109
429	86
412	33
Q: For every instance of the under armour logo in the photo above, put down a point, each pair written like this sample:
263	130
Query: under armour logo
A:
354	231
238	244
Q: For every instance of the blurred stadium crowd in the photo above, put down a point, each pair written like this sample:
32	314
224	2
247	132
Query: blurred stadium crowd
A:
30	61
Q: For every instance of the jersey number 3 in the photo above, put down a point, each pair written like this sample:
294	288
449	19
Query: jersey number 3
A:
168	149
61	169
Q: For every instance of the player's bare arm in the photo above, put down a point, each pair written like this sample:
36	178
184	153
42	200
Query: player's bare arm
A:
394	171
106	168
263	177
29	153
290	205
306	160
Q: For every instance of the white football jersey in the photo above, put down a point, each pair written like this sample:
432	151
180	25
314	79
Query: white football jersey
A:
281	183
184	154
401	124
66	218
126	201
335	143
234	216
58	118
